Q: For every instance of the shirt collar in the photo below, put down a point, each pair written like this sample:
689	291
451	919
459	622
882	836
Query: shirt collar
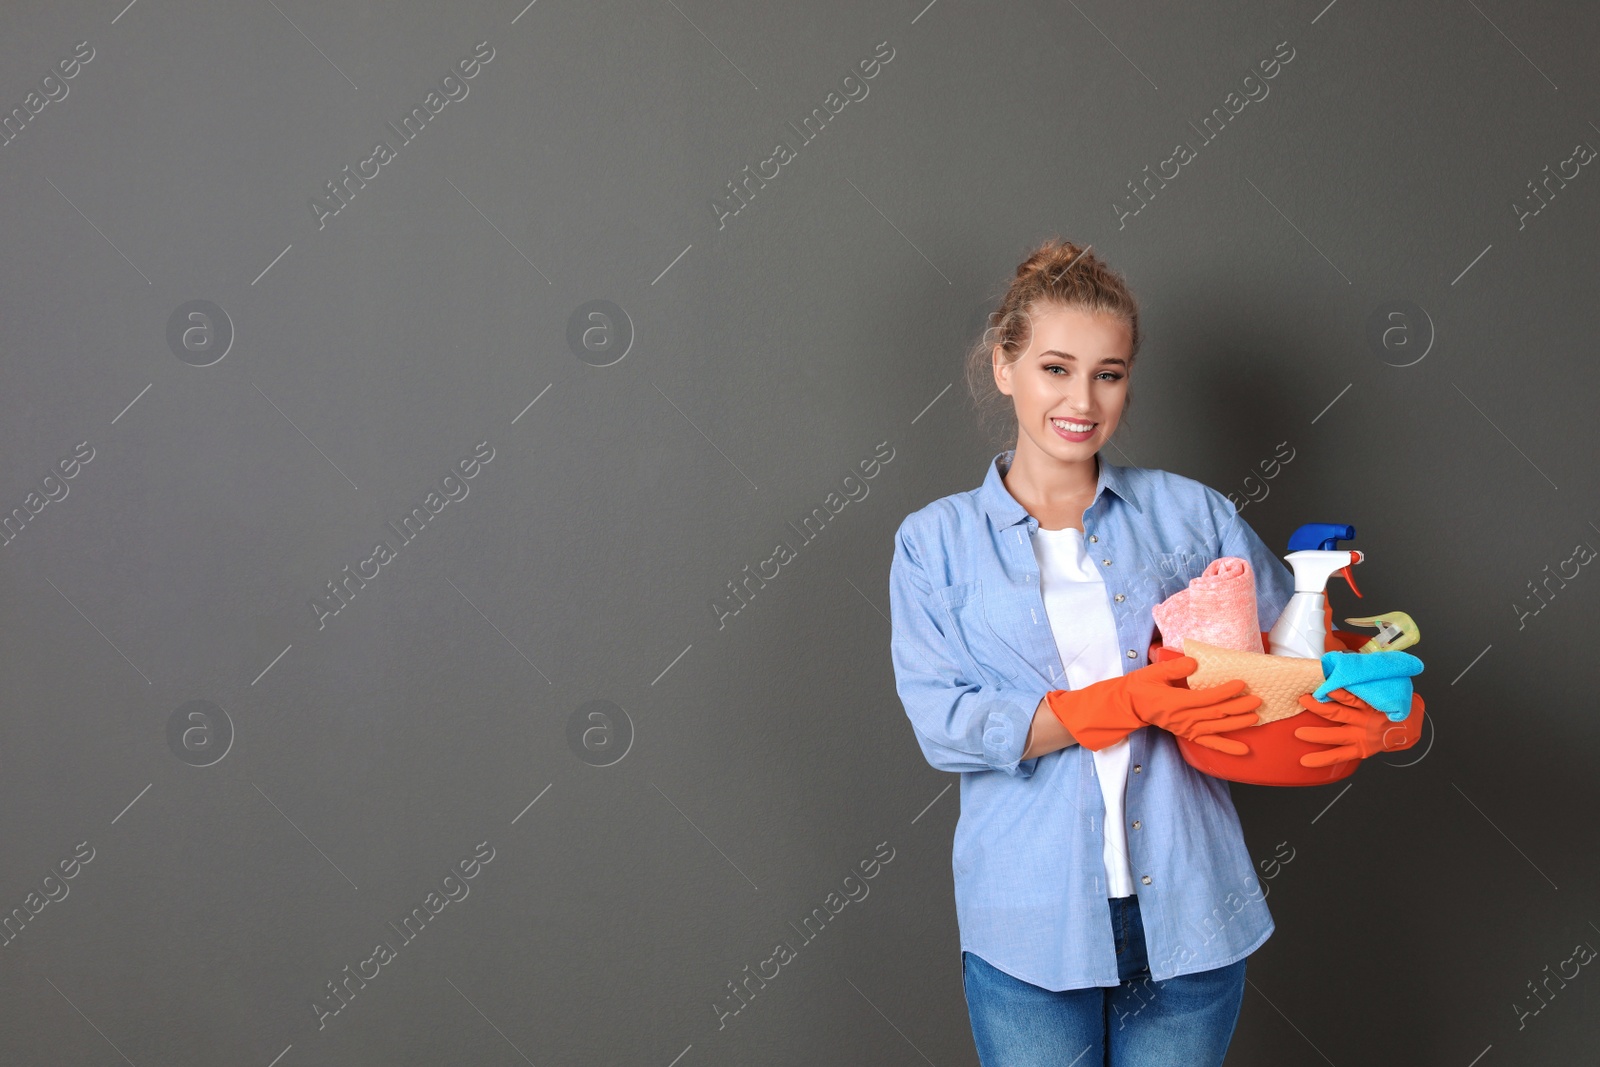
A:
1005	510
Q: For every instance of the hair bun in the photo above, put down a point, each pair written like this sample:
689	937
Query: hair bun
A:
1053	256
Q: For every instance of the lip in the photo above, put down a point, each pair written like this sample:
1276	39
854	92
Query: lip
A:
1074	437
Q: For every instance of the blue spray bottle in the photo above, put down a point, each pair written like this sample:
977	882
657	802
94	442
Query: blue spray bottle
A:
1314	556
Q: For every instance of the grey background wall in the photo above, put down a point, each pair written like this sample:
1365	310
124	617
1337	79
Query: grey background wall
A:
537	725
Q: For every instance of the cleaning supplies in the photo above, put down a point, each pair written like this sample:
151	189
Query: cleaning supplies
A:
1382	679
1218	607
1363	702
1396	630
1301	630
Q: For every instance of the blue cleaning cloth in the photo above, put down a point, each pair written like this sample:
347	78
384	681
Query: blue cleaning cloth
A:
1382	679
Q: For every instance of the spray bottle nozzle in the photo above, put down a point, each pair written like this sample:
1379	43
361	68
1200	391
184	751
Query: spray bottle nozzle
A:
1323	536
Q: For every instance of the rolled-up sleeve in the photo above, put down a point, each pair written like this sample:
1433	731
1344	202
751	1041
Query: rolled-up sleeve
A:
961	723
1274	579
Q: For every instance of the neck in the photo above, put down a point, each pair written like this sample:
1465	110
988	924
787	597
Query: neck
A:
1036	478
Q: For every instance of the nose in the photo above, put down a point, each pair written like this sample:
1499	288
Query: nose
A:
1076	395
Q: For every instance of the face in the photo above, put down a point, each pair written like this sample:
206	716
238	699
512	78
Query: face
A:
1074	371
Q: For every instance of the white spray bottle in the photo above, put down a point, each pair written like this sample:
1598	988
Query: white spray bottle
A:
1302	628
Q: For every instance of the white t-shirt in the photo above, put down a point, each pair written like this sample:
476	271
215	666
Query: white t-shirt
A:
1086	636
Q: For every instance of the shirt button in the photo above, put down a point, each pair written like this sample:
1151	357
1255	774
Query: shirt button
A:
1137	824
1107	562
1132	654
1138	767
1145	879
1120	598
1094	537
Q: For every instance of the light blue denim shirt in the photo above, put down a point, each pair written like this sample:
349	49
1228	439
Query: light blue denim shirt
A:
973	656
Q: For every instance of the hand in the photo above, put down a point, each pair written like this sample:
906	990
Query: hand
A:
1366	730
1196	714
1107	711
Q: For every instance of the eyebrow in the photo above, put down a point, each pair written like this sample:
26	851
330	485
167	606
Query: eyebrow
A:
1047	353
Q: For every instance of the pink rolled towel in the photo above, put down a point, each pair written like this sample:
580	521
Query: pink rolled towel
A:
1218	608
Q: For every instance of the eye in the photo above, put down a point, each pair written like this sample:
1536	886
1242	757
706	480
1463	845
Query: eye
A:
1106	375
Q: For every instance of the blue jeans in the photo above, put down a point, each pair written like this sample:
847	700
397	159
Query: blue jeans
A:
1185	1021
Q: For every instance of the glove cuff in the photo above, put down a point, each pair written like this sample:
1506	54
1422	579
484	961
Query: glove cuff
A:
1093	717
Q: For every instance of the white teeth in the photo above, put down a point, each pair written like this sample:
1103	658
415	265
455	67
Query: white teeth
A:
1074	427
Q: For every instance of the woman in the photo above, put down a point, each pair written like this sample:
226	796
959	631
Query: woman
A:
1104	894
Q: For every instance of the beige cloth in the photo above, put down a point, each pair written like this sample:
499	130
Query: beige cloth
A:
1278	680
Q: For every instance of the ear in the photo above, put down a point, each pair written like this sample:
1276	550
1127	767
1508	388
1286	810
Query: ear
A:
1002	369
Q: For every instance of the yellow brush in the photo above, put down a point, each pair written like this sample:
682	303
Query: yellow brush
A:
1396	630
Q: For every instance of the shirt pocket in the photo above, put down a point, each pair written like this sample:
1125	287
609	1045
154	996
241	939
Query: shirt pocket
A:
1183	564
973	635
1166	573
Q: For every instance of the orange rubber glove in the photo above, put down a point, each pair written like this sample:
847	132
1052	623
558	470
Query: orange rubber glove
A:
1367	732
1104	713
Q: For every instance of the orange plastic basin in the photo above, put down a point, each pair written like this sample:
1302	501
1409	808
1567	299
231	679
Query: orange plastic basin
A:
1274	756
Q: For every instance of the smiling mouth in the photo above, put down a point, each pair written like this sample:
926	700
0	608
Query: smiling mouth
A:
1071	426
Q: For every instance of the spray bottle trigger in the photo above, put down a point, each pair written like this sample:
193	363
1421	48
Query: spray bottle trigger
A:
1348	577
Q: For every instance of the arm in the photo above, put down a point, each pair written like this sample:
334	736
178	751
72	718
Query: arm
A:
960	723
1048	734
